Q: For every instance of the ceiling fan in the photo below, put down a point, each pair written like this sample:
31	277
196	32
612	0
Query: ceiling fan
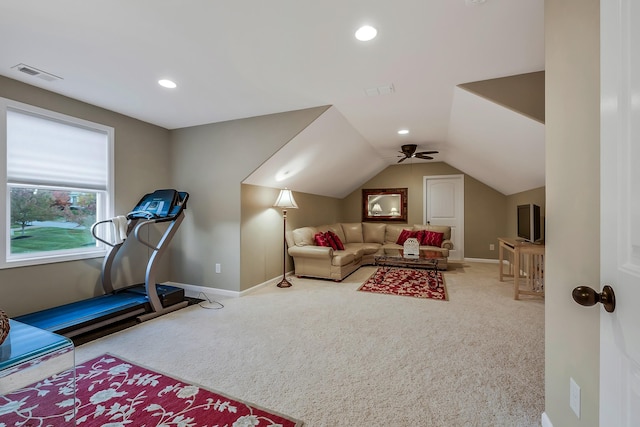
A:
409	151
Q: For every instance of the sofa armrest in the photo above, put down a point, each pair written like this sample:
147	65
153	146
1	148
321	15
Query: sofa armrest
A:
311	251
447	244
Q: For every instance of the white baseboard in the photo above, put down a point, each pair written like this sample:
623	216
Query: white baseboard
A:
194	291
546	422
490	261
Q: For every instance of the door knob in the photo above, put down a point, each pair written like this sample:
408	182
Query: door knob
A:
586	296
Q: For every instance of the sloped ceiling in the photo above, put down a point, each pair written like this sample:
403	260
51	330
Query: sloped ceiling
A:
500	147
499	141
328	158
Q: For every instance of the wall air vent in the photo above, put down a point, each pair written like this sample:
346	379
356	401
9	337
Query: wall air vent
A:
34	72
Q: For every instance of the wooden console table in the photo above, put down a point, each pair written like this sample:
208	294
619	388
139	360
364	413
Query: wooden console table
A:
526	261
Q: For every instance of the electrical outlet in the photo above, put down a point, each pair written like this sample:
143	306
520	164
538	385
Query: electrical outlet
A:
492	247
574	397
218	269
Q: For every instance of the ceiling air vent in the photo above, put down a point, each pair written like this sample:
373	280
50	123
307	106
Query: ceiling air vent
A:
32	71
380	90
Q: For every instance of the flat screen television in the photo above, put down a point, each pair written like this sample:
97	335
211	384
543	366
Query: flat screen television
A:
529	222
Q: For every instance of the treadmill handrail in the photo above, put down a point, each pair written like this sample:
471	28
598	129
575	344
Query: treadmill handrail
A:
136	233
95	236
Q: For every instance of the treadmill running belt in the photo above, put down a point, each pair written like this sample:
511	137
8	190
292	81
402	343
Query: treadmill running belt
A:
79	314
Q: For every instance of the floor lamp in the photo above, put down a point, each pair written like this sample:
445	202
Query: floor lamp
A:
285	201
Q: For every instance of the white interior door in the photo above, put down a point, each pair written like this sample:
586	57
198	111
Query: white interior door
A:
620	211
444	205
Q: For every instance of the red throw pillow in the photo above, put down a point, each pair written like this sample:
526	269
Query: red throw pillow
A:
404	235
432	238
334	237
320	239
330	240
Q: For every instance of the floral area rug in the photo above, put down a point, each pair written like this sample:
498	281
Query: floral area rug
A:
407	282
111	392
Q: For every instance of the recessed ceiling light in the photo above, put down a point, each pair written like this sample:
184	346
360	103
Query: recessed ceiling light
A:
167	83
366	33
403	131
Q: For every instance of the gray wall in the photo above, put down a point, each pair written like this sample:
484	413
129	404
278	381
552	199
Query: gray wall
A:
262	245
210	162
573	222
141	166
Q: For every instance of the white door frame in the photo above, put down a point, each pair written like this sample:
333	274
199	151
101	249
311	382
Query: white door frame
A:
459	245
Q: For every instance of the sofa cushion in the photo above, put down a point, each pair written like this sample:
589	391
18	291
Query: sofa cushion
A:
432	238
352	232
341	258
304	236
392	232
365	248
373	232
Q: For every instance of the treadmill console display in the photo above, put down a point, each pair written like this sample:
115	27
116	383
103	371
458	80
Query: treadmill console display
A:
159	204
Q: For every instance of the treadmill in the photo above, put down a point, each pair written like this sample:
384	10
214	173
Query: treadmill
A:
142	301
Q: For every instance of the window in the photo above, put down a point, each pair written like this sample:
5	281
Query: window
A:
58	173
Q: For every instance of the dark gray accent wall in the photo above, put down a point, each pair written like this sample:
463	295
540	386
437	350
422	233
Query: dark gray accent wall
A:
523	93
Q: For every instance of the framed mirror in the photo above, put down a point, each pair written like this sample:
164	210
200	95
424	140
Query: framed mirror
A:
384	205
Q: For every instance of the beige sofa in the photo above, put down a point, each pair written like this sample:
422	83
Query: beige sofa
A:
362	242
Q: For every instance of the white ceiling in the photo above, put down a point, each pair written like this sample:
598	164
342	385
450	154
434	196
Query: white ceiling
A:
484	136
245	58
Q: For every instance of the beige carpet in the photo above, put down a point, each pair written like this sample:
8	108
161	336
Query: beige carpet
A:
331	356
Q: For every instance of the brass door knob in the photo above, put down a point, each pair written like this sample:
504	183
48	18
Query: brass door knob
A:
586	296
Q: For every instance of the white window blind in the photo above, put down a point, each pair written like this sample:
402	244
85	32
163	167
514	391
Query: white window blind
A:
46	151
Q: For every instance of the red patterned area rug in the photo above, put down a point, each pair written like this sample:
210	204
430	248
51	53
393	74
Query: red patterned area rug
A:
407	282
111	392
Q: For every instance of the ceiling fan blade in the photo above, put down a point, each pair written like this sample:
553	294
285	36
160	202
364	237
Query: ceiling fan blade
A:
402	159
423	156
427	152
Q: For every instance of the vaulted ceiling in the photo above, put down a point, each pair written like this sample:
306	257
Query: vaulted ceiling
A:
245	58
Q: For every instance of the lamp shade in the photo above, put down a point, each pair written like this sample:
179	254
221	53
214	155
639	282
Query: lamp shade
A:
376	208
285	200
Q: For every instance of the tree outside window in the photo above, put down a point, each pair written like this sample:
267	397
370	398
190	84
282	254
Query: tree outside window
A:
47	220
